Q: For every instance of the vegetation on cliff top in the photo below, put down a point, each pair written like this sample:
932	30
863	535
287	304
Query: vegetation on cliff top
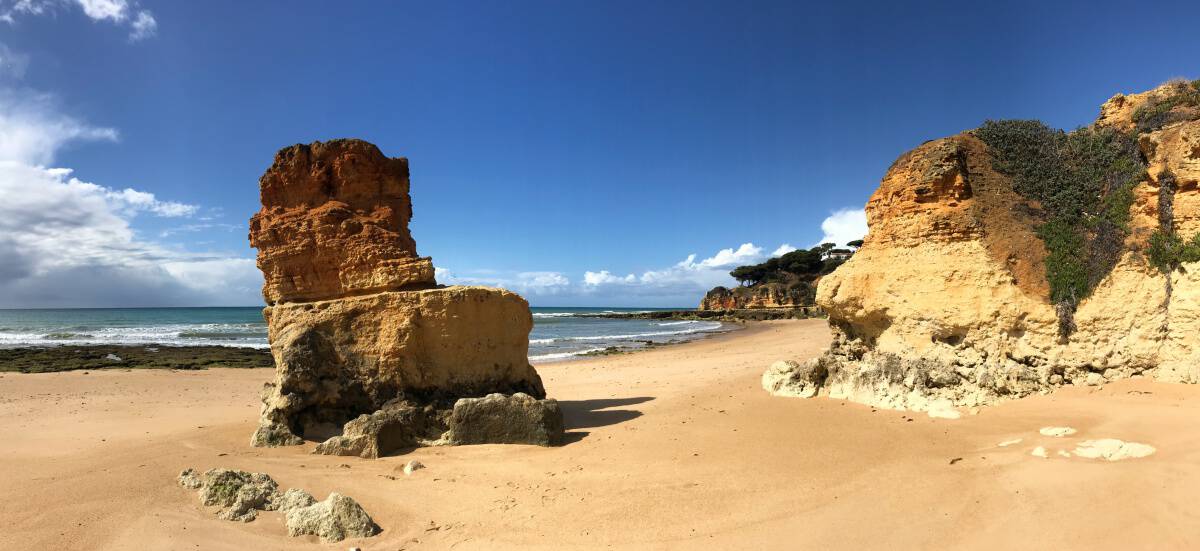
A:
795	272
1157	113
1084	182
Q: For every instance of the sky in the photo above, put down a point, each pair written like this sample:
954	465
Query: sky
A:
622	153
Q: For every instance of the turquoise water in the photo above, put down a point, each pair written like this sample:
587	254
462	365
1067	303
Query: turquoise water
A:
558	333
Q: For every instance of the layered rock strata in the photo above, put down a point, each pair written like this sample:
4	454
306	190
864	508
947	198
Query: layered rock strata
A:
371	354
766	295
947	300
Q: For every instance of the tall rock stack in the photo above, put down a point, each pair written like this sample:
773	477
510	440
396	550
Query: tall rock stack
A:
372	356
948	302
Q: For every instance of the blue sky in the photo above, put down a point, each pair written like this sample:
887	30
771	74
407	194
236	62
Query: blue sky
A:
577	152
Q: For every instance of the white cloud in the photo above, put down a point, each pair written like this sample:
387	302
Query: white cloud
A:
144	26
116	10
603	277
746	253
141	23
539	283
783	249
32	129
65	242
843	226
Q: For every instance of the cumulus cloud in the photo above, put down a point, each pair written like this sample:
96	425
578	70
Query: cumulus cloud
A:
537	283
141	23
843	226
783	249
65	242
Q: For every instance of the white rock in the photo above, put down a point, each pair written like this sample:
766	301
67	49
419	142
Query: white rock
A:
1111	449
1057	432
412	466
1064	453
1095	379
1039	452
114	358
943	409
1008	443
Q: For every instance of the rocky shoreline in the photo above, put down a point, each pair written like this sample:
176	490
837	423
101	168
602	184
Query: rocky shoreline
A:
744	314
52	359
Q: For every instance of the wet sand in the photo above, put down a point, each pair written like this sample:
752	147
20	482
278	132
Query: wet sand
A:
673	448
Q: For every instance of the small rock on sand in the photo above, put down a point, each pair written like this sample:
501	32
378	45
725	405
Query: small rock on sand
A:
1039	452
335	519
1057	432
1111	449
412	466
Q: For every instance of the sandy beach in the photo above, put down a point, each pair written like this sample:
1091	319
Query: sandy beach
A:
675	448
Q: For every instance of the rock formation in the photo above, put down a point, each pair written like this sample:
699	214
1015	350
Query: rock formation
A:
949	299
371	354
766	295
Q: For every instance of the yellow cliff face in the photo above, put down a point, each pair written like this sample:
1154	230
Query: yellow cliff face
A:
947	300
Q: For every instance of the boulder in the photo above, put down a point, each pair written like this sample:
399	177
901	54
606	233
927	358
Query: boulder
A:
500	419
333	520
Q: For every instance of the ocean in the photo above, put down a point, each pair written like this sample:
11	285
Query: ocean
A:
558	333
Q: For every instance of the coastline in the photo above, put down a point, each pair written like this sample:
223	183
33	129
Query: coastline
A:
58	358
673	448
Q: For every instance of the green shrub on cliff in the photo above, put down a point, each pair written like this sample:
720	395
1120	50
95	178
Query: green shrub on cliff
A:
1083	181
1167	250
1157	113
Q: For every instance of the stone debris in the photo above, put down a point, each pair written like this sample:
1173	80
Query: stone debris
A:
1111	449
1039	452
333	520
1057	432
413	466
240	495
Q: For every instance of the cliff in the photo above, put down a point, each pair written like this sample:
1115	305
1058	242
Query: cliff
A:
766	295
1009	260
371	355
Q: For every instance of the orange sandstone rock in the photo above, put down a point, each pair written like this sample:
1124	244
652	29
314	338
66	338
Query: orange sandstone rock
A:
334	223
371	355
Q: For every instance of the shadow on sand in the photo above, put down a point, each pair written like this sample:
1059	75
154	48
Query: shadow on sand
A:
585	414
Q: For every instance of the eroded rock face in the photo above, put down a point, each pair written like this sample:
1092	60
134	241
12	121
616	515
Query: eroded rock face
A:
767	295
371	355
948	299
334	223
